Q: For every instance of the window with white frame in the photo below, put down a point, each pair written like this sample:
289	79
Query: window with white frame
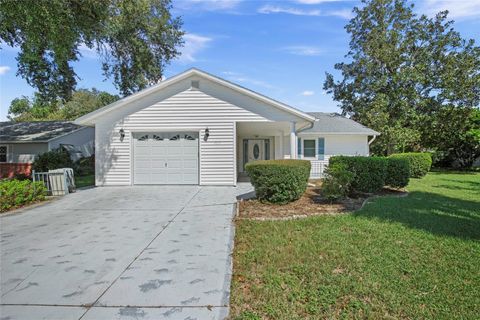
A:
309	149
3	153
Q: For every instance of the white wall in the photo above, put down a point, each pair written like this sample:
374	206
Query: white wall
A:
190	110
83	140
24	152
342	144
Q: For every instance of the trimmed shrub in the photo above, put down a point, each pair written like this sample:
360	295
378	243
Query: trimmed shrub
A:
15	193
337	182
279	181
369	172
398	172
420	162
54	159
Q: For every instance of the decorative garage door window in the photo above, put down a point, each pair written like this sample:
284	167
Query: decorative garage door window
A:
143	138
162	136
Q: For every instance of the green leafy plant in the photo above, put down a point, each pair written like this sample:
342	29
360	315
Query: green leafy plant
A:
420	162
85	166
54	159
369	172
337	182
398	172
279	181
15	193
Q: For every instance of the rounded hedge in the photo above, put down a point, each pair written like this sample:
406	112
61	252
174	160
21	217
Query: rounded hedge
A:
369	172
420	162
279	181
398	172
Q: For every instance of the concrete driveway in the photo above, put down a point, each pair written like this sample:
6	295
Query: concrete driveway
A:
160	252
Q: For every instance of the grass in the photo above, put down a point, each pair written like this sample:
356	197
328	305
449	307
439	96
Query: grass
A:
416	257
85	181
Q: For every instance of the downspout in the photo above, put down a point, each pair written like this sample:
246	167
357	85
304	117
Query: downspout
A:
371	140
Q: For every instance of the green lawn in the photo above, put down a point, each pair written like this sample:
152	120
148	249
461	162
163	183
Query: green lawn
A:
399	258
85	181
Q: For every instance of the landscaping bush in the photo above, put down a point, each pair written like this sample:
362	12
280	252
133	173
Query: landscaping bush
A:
398	172
420	162
337	182
279	181
85	166
14	193
369	172
54	159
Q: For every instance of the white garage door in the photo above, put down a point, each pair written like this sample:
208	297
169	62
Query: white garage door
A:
165	158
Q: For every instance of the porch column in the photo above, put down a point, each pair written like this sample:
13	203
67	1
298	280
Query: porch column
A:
293	141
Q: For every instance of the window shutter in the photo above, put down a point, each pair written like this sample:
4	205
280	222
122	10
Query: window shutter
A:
321	149
299	148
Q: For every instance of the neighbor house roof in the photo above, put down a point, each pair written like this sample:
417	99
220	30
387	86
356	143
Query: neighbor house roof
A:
35	131
88	118
333	123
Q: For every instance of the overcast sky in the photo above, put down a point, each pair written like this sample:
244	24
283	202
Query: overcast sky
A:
279	48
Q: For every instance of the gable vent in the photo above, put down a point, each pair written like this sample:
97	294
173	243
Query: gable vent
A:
195	84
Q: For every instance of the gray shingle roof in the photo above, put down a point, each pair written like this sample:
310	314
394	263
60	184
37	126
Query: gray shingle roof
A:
335	123
37	131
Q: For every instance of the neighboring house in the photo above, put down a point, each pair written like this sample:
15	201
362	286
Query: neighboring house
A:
21	142
196	128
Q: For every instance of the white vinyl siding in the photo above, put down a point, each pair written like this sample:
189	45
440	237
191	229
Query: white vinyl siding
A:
190	110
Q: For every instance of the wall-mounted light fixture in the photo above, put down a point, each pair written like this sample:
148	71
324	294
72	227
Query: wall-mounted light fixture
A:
206	135
122	134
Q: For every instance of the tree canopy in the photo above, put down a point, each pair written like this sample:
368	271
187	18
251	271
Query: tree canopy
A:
410	77
134	38
82	102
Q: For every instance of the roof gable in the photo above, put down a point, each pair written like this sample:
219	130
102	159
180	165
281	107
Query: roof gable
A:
169	84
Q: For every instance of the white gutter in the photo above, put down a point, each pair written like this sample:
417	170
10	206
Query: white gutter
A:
371	140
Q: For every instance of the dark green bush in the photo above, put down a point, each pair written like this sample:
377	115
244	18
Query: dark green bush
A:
398	172
337	181
369	172
420	162
15	193
85	166
54	159
279	181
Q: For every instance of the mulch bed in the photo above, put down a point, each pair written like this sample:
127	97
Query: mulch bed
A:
310	204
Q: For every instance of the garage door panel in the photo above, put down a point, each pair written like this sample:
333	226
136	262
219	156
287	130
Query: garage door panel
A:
173	160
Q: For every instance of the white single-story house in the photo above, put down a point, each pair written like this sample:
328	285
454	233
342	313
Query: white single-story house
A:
21	142
196	128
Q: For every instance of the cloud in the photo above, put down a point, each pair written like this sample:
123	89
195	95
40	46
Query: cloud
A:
268	9
316	1
207	5
238	77
4	69
194	43
465	9
86	52
303	50
308	93
271	9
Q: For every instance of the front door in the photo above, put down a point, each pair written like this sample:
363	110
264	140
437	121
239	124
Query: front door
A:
255	150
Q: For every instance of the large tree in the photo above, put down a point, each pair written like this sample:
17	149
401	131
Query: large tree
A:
83	101
135	38
405	75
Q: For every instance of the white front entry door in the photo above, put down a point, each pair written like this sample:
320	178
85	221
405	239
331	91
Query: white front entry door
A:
165	158
256	150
